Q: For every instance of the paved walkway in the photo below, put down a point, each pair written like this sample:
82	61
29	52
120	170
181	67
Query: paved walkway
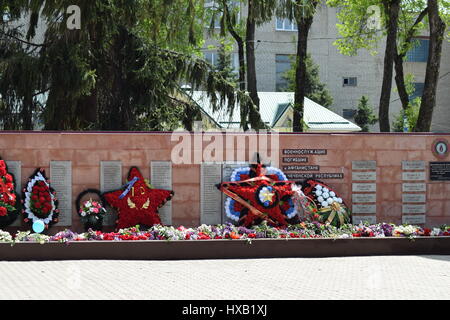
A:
397	277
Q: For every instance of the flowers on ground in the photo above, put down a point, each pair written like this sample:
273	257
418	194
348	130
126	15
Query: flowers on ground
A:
304	230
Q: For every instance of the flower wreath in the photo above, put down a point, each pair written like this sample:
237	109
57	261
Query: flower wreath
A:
9	204
40	202
91	212
137	202
258	193
331	208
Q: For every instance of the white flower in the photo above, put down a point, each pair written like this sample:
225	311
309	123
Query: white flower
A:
91	209
319	187
319	193
436	232
325	204
339	200
320	199
326	190
325	195
330	200
332	194
88	204
83	214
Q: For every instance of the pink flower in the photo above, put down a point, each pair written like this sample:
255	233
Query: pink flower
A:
95	210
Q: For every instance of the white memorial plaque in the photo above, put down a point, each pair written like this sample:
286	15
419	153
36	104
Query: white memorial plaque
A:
211	197
15	168
227	170
413	165
364	208
61	181
414	208
364	165
110	180
414	187
413	176
161	178
364	198
414	198
364	176
364	187
364	219
420	219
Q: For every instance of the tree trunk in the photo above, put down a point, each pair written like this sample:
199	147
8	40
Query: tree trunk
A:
392	9
242	67
304	25
400	55
437	30
252	86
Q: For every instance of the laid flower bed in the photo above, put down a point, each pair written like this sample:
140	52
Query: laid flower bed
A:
228	231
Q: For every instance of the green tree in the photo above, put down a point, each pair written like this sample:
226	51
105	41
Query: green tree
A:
411	114
302	12
400	22
314	88
364	115
121	71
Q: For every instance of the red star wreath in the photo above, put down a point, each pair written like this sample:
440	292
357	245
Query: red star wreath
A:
138	204
260	196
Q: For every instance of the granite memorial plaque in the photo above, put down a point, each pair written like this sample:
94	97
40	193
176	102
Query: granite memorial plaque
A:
413	176
414	198
364	198
440	171
364	176
295	159
364	219
413	165
15	168
417	219
110	180
211	197
414	208
61	181
414	187
364	208
161	178
364	165
317	176
301	168
227	170
364	187
301	152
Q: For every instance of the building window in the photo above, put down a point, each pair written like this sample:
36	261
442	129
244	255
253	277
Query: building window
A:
419	53
285	25
213	59
350	82
283	64
418	91
348	113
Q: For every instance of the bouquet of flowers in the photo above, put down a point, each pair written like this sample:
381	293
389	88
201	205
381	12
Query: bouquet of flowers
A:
91	214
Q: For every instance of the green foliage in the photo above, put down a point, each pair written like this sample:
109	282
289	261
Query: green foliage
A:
314	88
121	71
225	65
412	115
364	115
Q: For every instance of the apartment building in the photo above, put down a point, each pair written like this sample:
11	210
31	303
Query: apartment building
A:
348	78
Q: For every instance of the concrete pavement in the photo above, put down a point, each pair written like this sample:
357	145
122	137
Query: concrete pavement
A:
382	277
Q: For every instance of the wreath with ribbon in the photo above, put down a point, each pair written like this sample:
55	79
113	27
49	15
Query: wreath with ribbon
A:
40	202
9	203
259	193
331	208
137	202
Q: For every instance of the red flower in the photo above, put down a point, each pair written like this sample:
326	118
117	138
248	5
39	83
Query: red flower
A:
252	235
9	178
37	205
3	211
2	171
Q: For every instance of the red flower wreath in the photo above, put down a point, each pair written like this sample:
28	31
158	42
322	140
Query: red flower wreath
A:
138	204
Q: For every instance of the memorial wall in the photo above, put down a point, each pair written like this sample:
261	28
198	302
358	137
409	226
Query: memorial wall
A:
382	177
